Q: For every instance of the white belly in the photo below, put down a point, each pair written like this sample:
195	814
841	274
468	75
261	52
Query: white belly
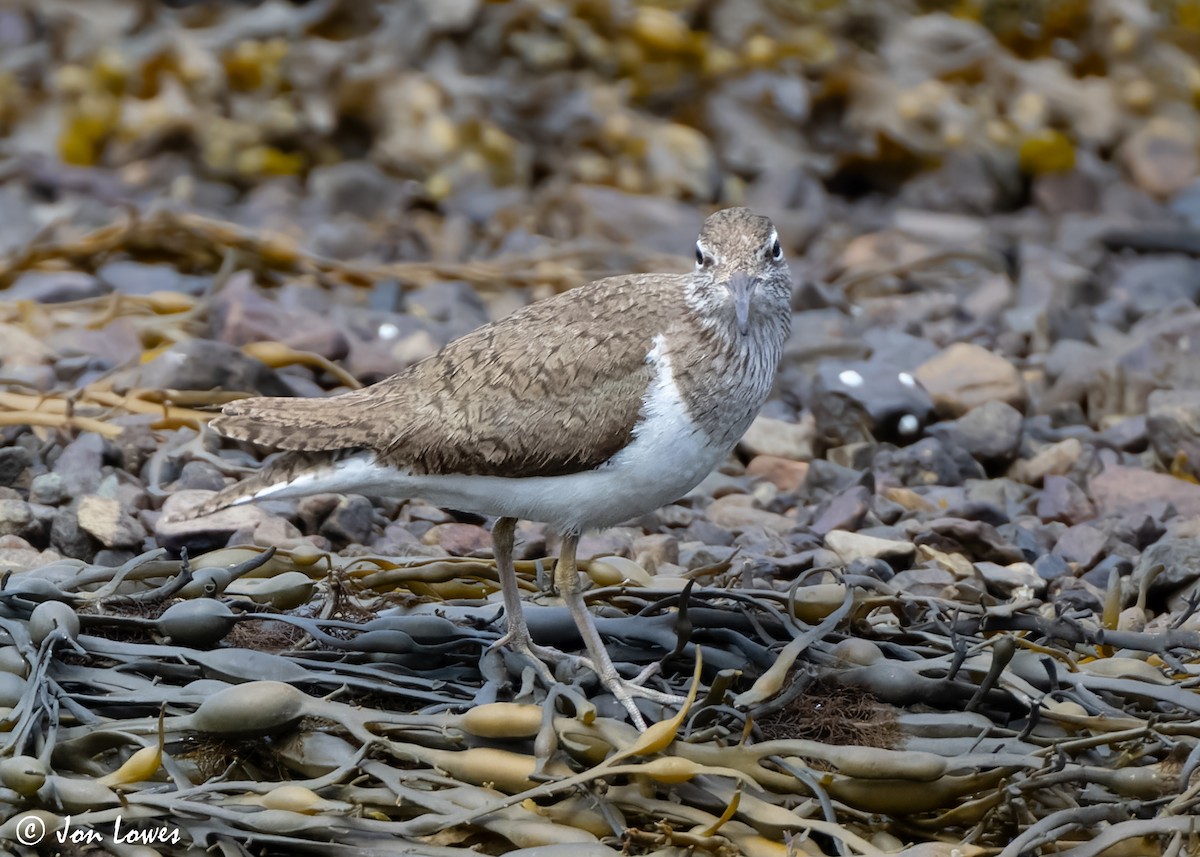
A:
642	477
668	456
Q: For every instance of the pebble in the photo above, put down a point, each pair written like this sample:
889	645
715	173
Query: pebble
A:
174	530
1019	579
105	520
974	538
14	467
617	541
1051	567
854	456
851	546
906	498
80	465
350	521
271	531
927	462
356	187
200	475
112	558
419	510
674	516
737	512
54	287
782	439
1126	433
1071	594
17	555
1082	546
460	539
870	567
47	488
243	313
1053	460
204	364
693	555
974	509
398	534
1099	573
785	474
1173	427
703	530
1120	489
1148	284
853	401
531	540
655	551
451	302
17	519
827	477
924	582
68	538
1162	156
1062	500
990	433
1180	559
136	278
965	376
844	511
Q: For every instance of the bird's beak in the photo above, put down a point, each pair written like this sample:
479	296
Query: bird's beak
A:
741	288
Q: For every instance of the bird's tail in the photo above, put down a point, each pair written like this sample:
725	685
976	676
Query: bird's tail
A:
299	424
290	474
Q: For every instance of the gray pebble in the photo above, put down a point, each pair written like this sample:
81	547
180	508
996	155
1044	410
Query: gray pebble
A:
694	555
1062	500
69	539
47	488
201	475
1006	580
109	523
1173	426
16	519
135	278
1051	567
1180	559
53	287
202	364
14	466
990	433
81	464
350	521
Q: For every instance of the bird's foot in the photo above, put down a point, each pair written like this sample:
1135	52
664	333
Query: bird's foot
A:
627	690
518	641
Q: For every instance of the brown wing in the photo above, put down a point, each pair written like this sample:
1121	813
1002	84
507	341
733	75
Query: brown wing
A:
555	388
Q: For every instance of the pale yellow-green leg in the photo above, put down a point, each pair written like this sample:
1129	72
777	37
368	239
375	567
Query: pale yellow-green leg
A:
517	636
566	578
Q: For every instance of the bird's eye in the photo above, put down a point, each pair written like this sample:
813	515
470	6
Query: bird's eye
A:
702	258
776	251
699	256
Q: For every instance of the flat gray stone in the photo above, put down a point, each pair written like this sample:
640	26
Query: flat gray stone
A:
852	546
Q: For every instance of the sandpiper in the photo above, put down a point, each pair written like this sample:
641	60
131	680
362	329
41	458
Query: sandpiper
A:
581	411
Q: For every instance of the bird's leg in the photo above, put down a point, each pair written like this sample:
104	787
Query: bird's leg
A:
566	578
517	636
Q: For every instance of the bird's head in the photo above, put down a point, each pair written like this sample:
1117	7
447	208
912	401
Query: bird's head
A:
741	277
